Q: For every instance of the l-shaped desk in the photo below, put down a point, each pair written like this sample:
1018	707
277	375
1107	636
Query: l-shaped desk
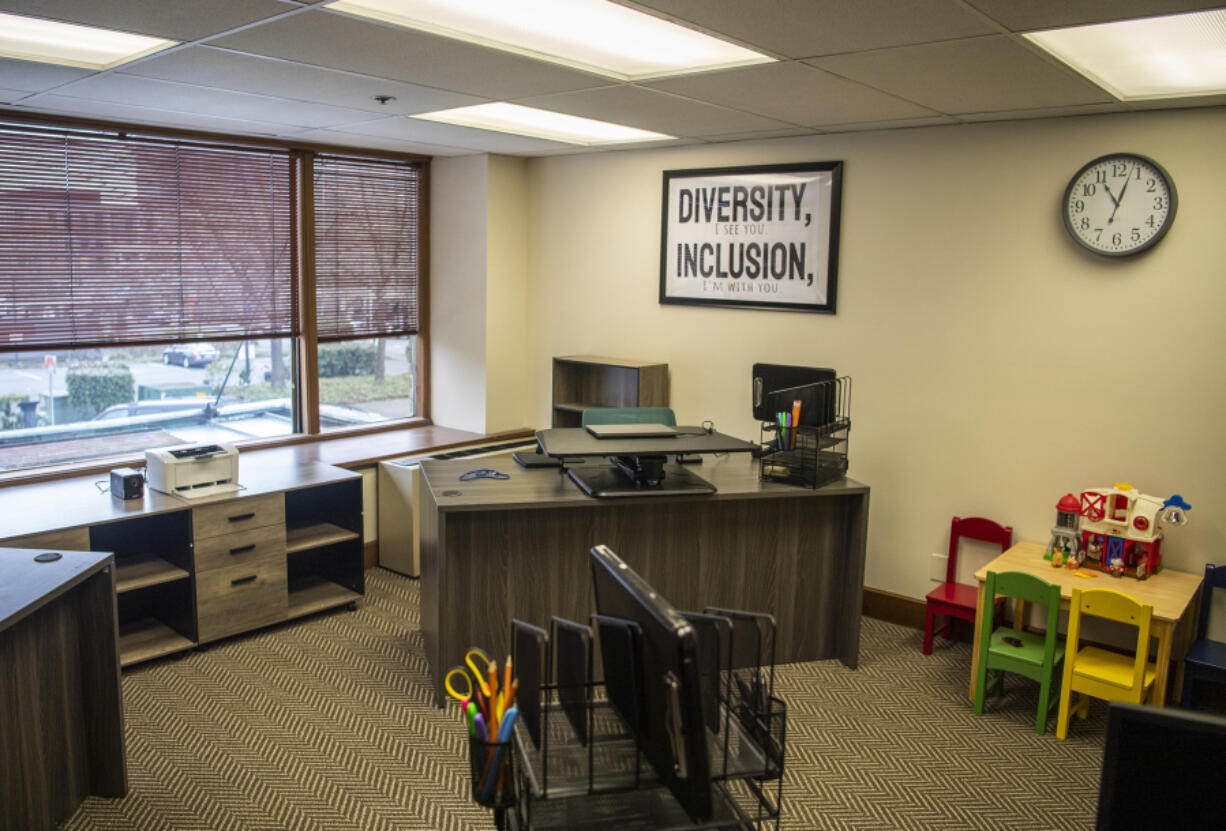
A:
497	549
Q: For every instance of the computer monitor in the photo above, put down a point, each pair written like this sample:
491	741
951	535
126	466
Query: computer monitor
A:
1161	769
670	730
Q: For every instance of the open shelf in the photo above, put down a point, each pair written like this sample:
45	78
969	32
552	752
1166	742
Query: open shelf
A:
147	638
136	571
317	534
312	593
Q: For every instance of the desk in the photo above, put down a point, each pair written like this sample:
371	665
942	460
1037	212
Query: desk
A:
493	550
1175	596
61	712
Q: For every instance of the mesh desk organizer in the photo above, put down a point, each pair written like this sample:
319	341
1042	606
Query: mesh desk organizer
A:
697	746
812	451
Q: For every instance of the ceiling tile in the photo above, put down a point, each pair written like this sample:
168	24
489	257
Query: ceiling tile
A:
792	92
32	76
8	96
1052	14
111	111
787	132
1046	112
166	95
468	138
241	72
651	110
967	76
321	38
182	20
806	28
378	143
896	124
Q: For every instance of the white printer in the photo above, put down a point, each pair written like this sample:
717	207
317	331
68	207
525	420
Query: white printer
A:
193	470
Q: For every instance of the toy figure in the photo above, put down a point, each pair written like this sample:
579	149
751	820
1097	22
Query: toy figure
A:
1116	566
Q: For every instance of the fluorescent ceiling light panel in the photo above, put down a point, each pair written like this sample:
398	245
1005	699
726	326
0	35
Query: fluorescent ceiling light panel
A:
1175	56
592	35
68	44
543	124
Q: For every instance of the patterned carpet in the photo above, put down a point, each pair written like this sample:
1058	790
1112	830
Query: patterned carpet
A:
324	724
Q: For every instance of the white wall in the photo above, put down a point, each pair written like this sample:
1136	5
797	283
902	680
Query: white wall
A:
458	195
996	365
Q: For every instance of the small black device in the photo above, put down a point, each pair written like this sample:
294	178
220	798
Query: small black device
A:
127	483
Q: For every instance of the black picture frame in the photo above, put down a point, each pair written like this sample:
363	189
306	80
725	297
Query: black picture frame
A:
755	237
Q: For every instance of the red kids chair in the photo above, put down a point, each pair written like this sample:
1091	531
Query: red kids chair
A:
954	599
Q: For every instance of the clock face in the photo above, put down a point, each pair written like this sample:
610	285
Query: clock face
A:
1119	204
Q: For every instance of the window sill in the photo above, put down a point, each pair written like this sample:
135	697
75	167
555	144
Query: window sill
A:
348	450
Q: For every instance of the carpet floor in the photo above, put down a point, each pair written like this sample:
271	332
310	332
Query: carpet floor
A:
326	724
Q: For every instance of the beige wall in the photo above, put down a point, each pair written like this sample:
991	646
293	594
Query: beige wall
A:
996	366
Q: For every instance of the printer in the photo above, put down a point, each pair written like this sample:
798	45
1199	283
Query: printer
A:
193	471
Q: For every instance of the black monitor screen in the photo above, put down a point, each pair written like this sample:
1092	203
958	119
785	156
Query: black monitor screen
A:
670	731
1161	769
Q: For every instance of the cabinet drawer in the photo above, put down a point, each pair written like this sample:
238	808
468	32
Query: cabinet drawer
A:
237	515
232	600
240	548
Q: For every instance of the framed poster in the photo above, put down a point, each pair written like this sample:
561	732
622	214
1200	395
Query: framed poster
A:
764	237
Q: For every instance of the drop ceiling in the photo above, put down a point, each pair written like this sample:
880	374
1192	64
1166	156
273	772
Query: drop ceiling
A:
295	70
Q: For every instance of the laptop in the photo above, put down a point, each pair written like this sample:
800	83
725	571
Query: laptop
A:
631	431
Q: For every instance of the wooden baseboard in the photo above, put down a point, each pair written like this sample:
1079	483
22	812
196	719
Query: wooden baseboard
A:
893	608
370	554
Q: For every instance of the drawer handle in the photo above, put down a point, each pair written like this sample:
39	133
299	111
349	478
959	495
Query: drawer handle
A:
243	549
241	580
241	517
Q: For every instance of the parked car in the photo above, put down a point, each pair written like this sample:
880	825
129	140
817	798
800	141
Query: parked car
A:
190	354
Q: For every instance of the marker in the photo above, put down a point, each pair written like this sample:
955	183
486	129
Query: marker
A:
470	712
795	420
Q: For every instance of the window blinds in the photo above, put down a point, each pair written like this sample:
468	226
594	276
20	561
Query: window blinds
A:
106	239
367	247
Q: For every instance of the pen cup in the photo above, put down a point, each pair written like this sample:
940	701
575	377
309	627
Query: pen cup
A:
492	770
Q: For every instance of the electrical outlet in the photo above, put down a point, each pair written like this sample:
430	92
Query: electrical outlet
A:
937	567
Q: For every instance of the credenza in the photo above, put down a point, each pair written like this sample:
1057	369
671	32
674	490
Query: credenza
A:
288	544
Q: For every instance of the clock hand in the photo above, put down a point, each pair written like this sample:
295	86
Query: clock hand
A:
1114	201
1123	190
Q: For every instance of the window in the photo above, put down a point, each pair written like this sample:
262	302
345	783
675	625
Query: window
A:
150	291
366	275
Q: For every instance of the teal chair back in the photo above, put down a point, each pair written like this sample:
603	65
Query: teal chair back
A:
629	415
1031	654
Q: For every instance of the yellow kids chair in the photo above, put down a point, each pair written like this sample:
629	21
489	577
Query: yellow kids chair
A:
1097	673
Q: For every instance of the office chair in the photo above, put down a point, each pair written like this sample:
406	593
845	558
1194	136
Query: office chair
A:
954	599
1206	659
1097	673
628	415
1033	655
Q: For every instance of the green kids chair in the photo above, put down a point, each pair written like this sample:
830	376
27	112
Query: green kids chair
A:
1036	656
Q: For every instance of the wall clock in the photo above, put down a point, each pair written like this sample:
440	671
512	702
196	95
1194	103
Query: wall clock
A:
1119	204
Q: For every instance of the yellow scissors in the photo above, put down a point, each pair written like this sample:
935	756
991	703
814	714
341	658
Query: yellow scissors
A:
464	690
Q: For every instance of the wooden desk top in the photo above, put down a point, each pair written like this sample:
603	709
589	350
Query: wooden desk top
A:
70	503
1169	591
28	585
735	476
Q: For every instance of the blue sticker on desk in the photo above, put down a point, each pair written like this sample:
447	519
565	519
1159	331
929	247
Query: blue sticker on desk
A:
47	557
453	493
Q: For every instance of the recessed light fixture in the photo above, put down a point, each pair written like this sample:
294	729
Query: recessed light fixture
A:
1174	56
70	44
592	35
543	124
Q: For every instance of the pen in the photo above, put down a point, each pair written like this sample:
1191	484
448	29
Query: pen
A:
504	736
506	685
470	712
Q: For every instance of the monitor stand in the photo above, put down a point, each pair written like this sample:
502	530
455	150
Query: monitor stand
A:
612	480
